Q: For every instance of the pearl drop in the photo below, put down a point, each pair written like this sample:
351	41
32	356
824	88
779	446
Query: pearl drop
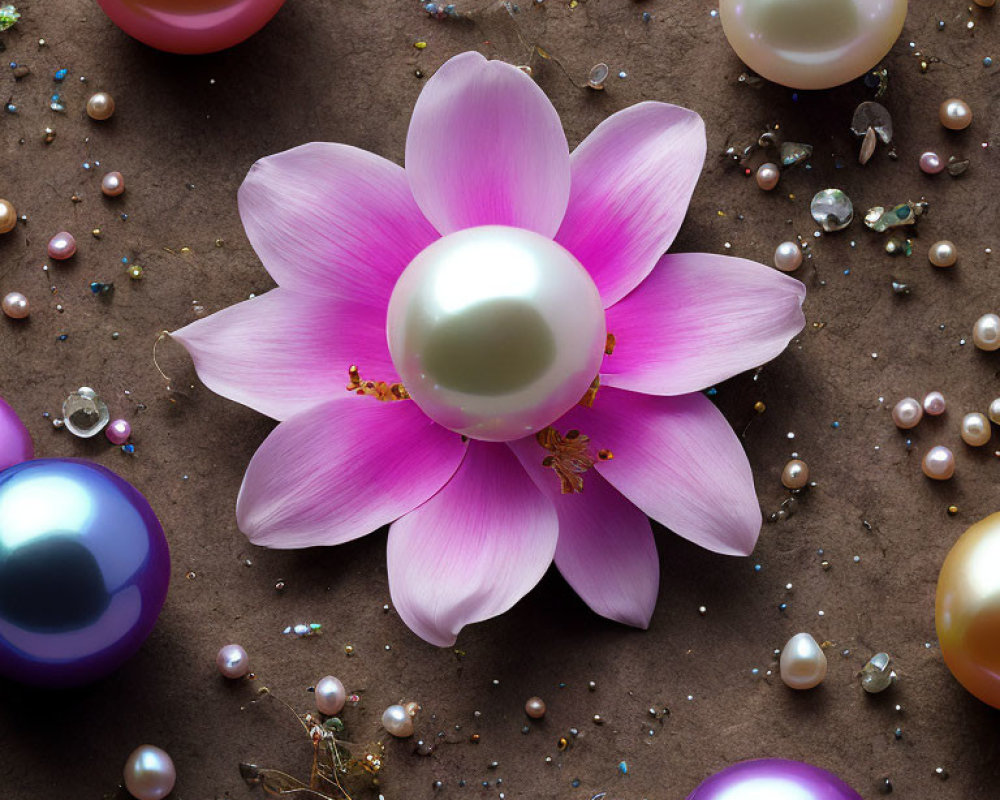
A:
976	429
496	332
62	246
788	257
802	662
943	254
931	163
994	412
768	176
535	707
795	475
149	773
934	404
939	463
8	216
397	722
907	413
233	661
986	332
113	184
118	431
955	114
100	106
330	696
15	305
812	45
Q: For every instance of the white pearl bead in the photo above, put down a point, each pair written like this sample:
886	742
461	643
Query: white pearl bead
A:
812	44
788	257
935	404
496	332
15	305
986	332
803	662
768	176
907	413
976	429
397	721
330	696
939	463
994	412
943	254
233	661
149	773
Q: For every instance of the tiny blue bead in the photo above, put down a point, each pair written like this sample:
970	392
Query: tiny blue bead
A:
128	448
834	424
60	75
987	62
712	392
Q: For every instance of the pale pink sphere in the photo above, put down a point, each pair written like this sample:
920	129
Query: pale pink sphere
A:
15	305
149	773
907	413
62	246
931	163
118	431
190	26
233	661
330	696
934	404
939	463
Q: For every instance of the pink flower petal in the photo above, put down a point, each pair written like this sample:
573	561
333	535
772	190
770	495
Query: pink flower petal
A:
342	469
333	220
679	461
15	441
699	319
633	178
474	549
486	147
606	550
285	351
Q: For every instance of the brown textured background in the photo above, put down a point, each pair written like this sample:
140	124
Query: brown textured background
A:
185	133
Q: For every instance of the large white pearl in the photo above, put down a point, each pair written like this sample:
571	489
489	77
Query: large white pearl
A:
149	773
496	332
812	44
802	663
397	721
986	332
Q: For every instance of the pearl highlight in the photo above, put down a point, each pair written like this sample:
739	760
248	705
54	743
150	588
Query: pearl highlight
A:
149	773
802	663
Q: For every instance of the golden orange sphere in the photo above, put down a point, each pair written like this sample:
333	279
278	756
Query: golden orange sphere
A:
968	610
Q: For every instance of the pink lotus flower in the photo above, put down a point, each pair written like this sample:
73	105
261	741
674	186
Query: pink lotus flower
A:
475	524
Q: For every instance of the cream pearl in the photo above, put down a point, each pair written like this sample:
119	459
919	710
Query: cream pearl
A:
788	257
233	661
943	254
985	3
795	475
535	707
149	773
955	114
812	44
113	184
976	429
939	463
986	332
495	331
934	404
768	176
994	412
330	696
62	246
15	305
397	721
100	106
907	413
931	163
8	216
802	663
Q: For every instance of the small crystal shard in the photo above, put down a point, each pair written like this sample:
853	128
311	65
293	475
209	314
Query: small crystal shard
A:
8	17
876	676
832	209
84	413
879	220
872	116
868	147
598	75
897	245
899	287
793	153
957	165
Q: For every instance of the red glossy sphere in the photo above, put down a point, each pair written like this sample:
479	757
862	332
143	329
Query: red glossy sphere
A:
190	26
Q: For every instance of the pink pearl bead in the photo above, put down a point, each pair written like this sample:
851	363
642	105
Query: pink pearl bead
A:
907	413
113	184
149	773
15	305
233	661
62	246
931	163
330	696
190	26
934	404
118	431
939	463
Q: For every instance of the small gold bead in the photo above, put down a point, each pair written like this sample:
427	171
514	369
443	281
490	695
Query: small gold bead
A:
759	407
952	510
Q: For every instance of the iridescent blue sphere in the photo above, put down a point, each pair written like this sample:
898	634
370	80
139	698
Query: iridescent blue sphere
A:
84	570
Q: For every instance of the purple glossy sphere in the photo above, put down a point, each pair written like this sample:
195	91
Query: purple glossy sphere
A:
84	569
15	443
773	779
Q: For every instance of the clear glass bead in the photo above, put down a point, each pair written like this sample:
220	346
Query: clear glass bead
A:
84	413
832	209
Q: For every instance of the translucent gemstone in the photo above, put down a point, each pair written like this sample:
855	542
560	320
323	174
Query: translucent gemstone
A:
795	153
878	219
876	676
598	75
84	413
872	116
832	209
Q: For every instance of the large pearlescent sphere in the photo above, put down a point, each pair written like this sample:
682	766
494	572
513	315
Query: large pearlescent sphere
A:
968	610
812	44
190	26
496	332
149	773
773	779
